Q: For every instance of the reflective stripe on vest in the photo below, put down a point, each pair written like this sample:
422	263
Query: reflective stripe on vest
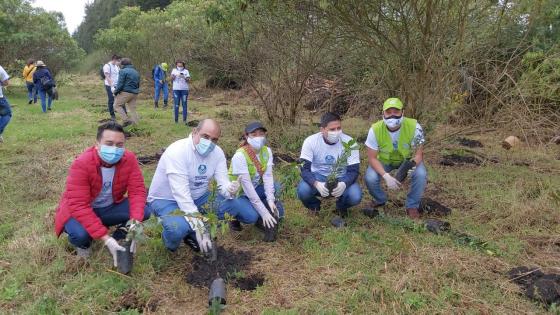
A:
263	156
386	153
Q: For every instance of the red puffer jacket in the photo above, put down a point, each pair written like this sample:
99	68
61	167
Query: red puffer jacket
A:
84	184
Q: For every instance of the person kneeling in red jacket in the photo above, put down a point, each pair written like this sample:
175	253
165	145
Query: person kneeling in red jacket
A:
94	198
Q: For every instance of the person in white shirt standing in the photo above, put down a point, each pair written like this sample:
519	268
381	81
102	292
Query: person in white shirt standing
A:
181	181
180	77
5	109
111	73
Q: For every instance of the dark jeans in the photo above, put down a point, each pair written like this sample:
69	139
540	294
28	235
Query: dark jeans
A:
5	113
31	91
180	96
115	214
110	101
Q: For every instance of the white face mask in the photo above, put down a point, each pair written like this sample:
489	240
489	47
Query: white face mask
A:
393	122
180	68
333	136
256	142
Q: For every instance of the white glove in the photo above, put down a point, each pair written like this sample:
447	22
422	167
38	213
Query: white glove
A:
233	188
391	182
322	189
113	246
203	239
273	208
339	189
133	246
268	220
113	89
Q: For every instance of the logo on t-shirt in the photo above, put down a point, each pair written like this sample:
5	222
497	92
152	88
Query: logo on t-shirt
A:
107	186
202	169
329	159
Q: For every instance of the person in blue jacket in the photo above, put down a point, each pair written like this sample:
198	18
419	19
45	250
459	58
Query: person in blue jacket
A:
159	75
44	83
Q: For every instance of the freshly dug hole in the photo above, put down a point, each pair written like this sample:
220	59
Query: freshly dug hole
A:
458	160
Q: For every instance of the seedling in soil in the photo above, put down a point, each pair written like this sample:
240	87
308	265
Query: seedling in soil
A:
217	296
125	259
340	164
408	165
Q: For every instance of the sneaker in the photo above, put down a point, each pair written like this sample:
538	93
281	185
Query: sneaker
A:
49	108
235	225
191	241
29	102
83	252
413	213
156	104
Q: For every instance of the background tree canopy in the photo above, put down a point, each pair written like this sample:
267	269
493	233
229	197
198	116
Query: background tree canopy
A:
27	32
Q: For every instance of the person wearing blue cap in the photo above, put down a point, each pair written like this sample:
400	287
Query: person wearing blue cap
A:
395	143
256	203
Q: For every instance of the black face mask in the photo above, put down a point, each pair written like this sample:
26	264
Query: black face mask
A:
394	117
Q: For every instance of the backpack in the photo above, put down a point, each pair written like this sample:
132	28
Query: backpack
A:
101	72
46	83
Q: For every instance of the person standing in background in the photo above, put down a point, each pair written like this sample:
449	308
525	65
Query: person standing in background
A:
159	75
180	77
111	77
126	92
44	83
5	109
28	71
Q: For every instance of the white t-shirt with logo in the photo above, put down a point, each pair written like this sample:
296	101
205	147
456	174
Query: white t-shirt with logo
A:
180	83
3	77
322	155
113	71
371	141
105	197
181	158
239	166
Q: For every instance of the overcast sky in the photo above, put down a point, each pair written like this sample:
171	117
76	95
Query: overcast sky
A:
73	10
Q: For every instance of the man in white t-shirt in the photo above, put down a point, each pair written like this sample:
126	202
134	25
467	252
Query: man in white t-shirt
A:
319	152
180	77
5	109
111	72
395	142
181	182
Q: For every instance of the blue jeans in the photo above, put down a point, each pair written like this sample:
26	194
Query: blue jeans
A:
43	95
418	180
31	91
308	195
158	87
110	101
115	214
175	227
242	209
180	96
5	114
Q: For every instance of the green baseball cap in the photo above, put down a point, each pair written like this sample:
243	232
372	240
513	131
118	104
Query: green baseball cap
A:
392	102
164	66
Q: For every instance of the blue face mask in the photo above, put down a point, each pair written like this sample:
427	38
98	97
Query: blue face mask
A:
110	155
204	147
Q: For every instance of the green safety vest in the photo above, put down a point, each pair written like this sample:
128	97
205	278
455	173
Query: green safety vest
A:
386	153
263	156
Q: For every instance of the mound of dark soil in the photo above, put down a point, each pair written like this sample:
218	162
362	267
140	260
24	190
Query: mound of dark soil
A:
432	207
193	123
470	143
149	159
130	301
458	160
437	226
536	285
248	283
229	263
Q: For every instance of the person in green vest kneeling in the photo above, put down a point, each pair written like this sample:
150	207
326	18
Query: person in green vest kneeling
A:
392	142
256	203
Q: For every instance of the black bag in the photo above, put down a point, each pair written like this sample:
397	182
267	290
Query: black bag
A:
101	72
47	83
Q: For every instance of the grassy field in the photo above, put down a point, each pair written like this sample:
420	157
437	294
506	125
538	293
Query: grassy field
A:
380	265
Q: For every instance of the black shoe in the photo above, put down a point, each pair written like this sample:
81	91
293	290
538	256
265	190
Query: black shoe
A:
338	222
120	233
156	104
343	213
370	212
29	102
235	225
49	108
191	241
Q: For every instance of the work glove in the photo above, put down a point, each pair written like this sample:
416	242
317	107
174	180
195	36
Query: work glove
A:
113	89
204	241
322	189
391	182
273	208
113	246
268	220
233	188
339	189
